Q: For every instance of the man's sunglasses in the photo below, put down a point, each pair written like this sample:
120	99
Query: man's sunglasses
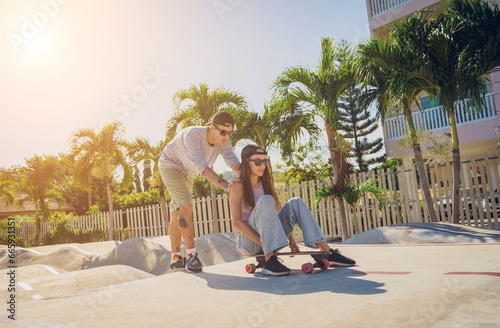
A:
224	132
259	162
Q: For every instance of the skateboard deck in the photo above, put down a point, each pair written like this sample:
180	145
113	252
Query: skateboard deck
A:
307	267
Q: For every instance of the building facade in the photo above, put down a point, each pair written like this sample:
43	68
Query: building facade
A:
477	132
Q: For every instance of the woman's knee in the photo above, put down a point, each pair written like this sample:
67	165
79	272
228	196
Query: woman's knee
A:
267	200
264	213
296	201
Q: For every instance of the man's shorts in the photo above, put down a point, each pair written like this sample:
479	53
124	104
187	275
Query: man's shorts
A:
179	186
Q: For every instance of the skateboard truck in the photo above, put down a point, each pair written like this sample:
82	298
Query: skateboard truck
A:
308	267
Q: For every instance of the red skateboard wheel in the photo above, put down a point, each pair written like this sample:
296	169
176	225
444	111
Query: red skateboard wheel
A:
307	268
250	268
324	264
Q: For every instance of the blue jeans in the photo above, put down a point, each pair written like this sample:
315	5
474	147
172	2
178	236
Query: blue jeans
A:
274	228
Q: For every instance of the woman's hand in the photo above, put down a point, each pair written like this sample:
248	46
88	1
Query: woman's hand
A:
293	245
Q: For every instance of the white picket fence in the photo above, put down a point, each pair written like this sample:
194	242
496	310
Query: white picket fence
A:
479	195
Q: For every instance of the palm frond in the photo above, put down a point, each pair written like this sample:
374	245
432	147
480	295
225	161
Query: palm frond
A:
197	105
326	191
352	193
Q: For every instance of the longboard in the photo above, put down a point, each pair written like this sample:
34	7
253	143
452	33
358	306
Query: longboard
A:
308	267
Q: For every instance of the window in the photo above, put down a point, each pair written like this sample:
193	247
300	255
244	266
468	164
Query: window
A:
427	103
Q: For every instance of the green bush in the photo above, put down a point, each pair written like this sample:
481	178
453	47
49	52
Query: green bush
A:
4	233
136	199
94	209
4	229
305	164
60	234
389	163
201	187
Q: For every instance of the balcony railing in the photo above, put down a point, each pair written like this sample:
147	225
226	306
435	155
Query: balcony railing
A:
436	118
381	6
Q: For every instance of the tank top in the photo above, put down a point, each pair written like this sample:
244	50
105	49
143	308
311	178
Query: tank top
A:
247	210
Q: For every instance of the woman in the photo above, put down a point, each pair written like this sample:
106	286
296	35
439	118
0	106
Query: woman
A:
262	225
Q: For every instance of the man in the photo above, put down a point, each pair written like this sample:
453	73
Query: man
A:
193	151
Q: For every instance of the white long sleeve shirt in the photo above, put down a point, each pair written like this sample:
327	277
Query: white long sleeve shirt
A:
190	152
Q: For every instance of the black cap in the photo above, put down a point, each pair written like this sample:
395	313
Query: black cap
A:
223	118
251	150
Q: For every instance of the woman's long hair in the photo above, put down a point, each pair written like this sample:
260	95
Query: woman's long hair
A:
266	180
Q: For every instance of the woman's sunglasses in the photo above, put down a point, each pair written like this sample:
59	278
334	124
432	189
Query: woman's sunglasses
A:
224	132
259	162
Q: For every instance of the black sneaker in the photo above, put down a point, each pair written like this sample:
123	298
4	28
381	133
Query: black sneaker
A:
178	264
274	267
336	258
193	263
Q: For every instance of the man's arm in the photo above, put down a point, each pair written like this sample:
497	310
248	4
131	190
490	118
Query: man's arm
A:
230	158
236	169
214	178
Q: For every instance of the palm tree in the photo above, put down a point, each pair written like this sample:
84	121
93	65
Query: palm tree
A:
142	150
318	92
255	127
293	126
396	71
274	128
197	106
463	45
39	185
8	178
99	154
6	191
352	195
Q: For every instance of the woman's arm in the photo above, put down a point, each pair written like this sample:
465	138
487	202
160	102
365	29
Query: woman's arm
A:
235	201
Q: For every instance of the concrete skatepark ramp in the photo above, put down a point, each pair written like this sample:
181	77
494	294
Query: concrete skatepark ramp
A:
426	233
442	283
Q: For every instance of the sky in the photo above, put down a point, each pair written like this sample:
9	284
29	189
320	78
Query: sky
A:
72	64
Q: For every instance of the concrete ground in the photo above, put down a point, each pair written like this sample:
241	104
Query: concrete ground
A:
407	279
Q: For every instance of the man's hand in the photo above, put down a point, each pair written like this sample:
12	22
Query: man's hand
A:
231	183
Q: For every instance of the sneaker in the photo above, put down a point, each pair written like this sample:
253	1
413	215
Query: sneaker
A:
274	267
336	258
193	263
178	264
